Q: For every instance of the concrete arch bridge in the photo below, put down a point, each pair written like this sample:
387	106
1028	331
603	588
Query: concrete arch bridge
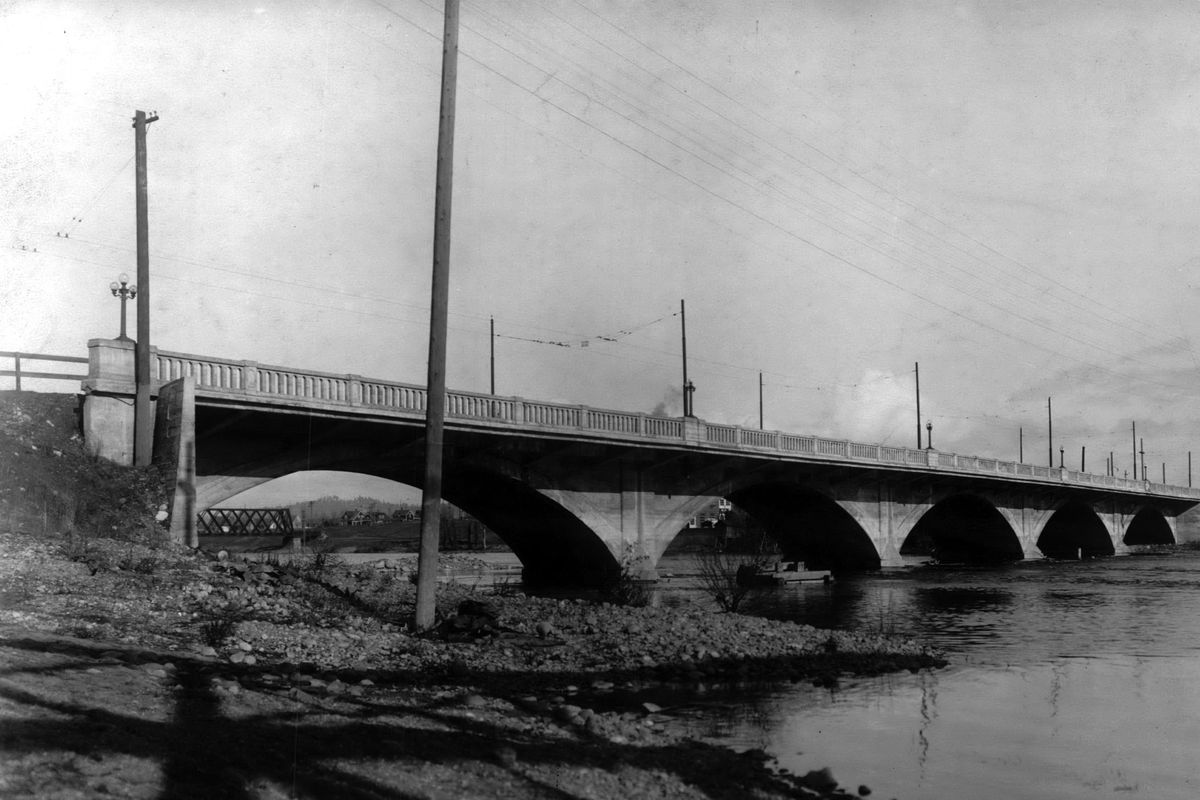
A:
571	489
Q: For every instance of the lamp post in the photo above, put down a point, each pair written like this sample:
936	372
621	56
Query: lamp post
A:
123	289
928	435
1061	452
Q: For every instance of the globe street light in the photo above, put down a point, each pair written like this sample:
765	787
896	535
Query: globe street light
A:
929	435
123	289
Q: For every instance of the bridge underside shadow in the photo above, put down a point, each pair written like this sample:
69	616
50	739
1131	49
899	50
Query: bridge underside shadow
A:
484	476
571	507
554	545
963	529
1075	531
1149	527
808	526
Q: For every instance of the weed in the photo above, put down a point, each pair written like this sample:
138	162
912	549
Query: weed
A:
625	586
219	611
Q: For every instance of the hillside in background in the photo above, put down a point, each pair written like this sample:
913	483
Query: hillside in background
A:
330	510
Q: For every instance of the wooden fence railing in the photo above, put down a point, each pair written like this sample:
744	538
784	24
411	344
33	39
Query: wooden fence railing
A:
17	372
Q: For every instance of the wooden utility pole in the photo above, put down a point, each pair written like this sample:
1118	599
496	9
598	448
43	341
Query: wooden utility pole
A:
1050	429
492	352
917	370
1020	445
435	409
760	404
1133	427
687	399
143	419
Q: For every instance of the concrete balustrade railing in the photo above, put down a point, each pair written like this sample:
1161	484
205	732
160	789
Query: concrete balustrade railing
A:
110	366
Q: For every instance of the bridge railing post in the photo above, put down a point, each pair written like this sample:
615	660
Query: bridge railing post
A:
518	410
250	377
356	390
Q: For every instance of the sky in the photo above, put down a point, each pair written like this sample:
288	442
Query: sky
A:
1004	193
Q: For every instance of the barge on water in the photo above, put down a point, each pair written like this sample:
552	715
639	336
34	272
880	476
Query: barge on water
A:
780	573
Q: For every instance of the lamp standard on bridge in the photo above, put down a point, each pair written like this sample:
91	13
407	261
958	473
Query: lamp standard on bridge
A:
928	435
123	289
1061	452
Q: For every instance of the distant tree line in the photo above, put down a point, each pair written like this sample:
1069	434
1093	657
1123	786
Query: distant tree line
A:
332	510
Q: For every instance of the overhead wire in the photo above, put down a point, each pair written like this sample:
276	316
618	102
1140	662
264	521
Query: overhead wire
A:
557	76
786	231
1072	291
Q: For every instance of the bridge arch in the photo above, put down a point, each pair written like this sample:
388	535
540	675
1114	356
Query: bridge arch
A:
1073	531
554	545
809	525
1149	526
963	528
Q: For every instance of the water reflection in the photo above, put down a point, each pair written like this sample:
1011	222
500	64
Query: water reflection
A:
1070	680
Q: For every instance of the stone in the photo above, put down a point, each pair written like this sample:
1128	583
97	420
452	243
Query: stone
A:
506	756
651	708
819	779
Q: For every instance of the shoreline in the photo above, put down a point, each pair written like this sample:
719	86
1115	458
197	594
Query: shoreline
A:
536	674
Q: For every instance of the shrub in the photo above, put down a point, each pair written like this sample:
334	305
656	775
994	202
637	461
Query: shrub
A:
719	576
625	586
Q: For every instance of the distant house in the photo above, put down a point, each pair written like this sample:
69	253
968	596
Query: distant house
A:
356	517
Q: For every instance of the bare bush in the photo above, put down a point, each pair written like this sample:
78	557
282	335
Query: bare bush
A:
719	576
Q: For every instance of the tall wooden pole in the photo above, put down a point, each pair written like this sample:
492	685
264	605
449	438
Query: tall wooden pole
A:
760	403
143	419
492	351
687	400
917	370
435	409
1020	445
1133	427
1050	429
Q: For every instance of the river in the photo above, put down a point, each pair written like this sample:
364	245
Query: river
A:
1067	680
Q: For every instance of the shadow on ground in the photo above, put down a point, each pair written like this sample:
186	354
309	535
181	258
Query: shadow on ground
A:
401	740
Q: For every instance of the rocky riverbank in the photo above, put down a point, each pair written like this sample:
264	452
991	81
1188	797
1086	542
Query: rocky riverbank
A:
145	671
132	668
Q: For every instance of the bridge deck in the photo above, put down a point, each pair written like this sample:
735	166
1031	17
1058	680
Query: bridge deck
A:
259	385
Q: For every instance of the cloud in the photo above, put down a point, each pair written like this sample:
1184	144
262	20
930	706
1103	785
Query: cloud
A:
879	407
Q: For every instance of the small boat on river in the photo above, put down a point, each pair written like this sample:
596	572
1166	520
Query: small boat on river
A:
780	573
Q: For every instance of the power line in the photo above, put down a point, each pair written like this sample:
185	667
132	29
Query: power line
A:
764	219
1072	292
